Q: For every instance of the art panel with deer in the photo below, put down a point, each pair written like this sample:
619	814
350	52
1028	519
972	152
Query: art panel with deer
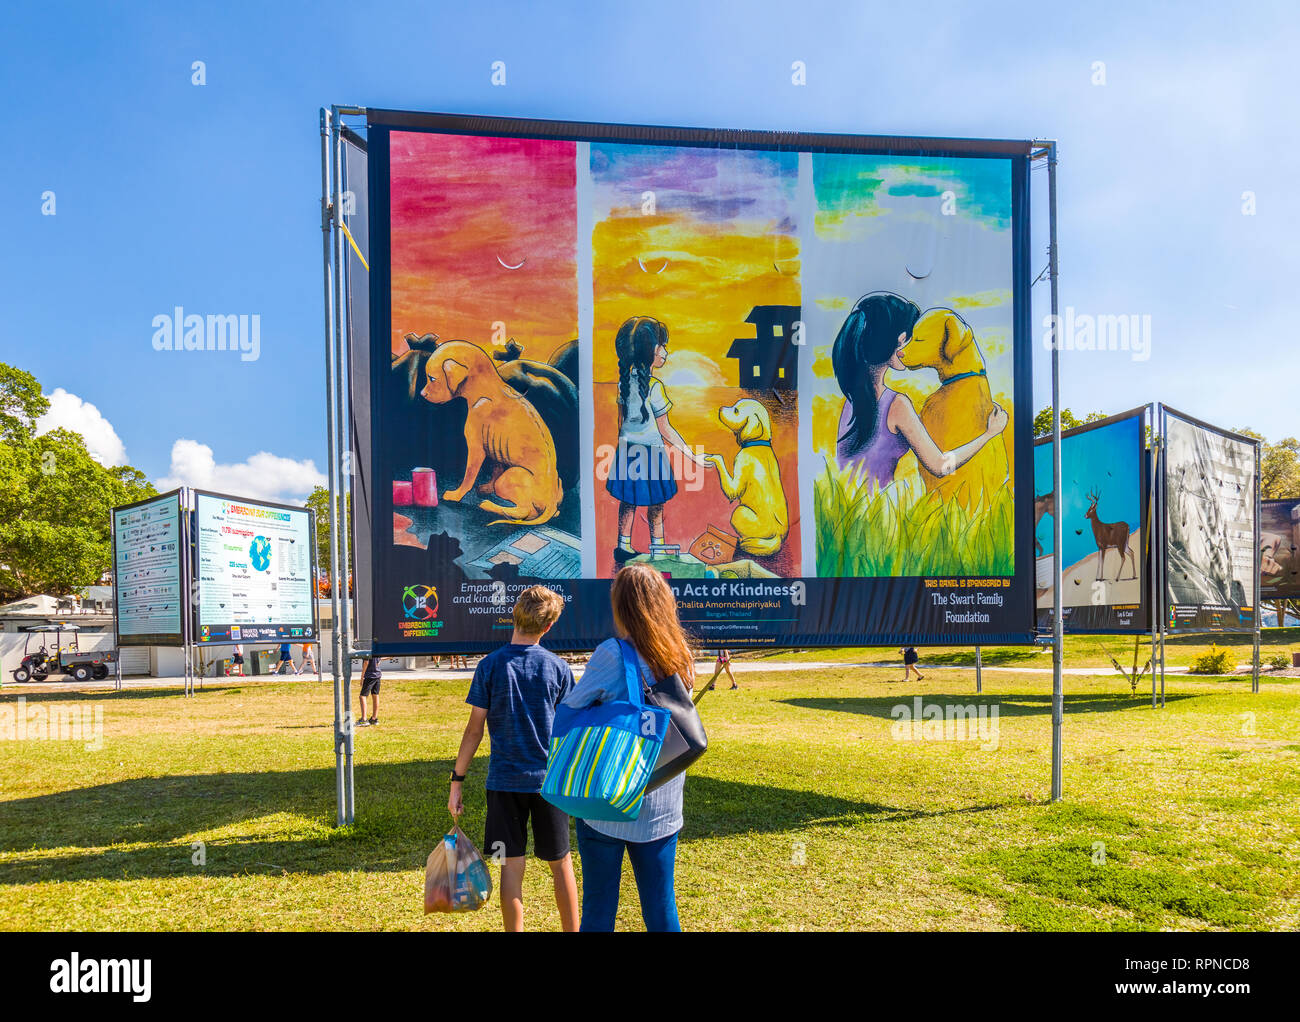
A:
1101	509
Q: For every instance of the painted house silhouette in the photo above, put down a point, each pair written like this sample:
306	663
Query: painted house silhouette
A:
770	359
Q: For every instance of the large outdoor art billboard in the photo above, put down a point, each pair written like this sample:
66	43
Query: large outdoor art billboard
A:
1104	501
1212	533
792	372
1279	549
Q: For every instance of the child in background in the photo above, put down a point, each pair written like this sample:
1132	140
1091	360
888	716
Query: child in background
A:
723	663
514	693
370	678
909	664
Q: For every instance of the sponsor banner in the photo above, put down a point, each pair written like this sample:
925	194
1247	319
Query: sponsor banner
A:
1211	528
792	372
1105	497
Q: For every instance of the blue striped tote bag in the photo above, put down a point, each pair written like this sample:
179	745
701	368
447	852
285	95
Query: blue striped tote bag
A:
602	755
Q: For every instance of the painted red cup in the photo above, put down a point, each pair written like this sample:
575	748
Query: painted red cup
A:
424	484
402	493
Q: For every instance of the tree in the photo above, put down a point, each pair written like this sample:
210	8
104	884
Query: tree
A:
21	404
55	499
1279	466
319	504
1043	420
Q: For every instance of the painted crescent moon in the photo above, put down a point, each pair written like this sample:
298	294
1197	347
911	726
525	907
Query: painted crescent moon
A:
644	270
507	266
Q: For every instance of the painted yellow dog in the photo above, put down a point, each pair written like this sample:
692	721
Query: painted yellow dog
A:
959	410
762	521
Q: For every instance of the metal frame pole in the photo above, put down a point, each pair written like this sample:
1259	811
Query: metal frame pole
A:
1254	684
1155	549
339	535
1163	492
187	582
979	670
342	723
1058	631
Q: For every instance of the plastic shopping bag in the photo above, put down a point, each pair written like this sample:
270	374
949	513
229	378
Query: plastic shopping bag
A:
456	878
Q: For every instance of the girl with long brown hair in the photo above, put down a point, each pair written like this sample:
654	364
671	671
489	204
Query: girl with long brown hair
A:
645	616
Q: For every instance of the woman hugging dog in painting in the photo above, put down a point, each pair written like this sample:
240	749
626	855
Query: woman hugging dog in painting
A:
878	424
641	474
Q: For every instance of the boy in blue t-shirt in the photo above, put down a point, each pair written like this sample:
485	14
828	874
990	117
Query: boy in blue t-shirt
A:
515	692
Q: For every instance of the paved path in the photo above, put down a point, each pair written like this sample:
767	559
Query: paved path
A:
704	667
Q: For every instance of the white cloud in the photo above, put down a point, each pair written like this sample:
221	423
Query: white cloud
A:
264	475
67	411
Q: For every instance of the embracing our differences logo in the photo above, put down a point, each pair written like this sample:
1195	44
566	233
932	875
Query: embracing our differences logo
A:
420	606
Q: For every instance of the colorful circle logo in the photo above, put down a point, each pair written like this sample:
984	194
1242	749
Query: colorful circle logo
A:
420	602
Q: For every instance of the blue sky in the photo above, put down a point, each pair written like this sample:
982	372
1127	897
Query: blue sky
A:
168	193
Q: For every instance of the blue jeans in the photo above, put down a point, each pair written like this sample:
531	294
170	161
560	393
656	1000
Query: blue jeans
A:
602	872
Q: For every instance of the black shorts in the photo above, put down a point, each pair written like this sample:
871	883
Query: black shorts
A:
506	832
369	687
238	658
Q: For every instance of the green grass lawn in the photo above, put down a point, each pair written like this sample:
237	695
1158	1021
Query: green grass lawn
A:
1080	651
807	813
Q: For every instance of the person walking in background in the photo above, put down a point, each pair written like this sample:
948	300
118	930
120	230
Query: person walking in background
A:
237	660
723	663
910	659
645	613
370	678
285	661
308	657
514	694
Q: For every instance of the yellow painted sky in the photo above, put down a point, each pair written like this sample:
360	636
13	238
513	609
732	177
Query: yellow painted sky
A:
711	282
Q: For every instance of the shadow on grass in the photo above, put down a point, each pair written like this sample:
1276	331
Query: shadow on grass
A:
401	814
1019	705
92	696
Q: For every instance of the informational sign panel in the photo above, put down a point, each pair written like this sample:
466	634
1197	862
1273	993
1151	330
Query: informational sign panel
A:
1279	549
255	567
790	371
1211	527
1105	494
148	574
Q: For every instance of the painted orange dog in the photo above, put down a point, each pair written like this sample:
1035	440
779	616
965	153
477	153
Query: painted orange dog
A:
502	427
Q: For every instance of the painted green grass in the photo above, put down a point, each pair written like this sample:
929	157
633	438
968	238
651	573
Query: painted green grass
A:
904	531
805	814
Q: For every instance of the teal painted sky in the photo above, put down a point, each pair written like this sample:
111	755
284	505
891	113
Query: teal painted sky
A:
981	187
1104	460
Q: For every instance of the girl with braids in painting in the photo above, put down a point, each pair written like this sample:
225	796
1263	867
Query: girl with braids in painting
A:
879	425
641	474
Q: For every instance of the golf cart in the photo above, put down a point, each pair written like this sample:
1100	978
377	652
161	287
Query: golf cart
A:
39	664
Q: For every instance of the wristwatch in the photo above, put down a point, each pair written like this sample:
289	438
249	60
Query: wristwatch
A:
455	776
